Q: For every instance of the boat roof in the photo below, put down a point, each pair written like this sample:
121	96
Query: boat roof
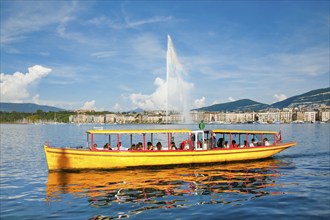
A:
149	131
243	131
137	131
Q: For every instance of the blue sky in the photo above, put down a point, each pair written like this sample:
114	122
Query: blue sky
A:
111	55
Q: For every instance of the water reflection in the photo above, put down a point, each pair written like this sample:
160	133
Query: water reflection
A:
145	189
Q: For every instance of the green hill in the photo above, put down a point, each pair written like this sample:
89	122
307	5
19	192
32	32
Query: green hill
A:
312	98
240	105
27	107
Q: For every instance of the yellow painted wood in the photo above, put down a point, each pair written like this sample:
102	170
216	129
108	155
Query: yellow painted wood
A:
65	158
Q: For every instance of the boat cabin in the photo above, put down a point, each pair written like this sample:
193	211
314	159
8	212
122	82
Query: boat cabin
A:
178	139
243	138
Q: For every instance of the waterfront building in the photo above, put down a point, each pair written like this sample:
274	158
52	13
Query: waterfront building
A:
110	118
324	116
310	116
197	116
268	117
99	119
298	116
286	116
271	116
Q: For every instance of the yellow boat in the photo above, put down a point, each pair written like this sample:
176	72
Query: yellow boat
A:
200	146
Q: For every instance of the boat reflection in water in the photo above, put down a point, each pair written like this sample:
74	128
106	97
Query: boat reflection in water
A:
173	187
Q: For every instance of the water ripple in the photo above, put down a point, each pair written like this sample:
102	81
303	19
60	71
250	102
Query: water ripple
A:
295	184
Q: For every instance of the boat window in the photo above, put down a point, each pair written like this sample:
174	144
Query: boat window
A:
258	138
138	139
100	140
226	140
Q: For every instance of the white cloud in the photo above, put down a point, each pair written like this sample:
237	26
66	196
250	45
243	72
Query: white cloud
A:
117	107
199	103
125	88
104	54
157	100
216	102
280	97
89	105
27	18
36	99
177	93
17	87
127	22
147	46
231	99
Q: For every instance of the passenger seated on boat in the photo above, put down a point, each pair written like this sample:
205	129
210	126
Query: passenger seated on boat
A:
220	142
107	147
226	145
233	144
186	145
207	142
199	144
94	147
253	143
245	144
120	147
265	142
214	139
173	147
149	146
181	146
139	146
159	146
132	147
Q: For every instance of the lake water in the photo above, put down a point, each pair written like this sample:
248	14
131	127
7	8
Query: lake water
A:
294	184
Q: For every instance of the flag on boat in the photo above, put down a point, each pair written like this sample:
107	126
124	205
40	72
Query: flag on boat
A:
279	136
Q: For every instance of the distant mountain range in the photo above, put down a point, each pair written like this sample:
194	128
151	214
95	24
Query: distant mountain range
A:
314	97
309	99
27	107
240	105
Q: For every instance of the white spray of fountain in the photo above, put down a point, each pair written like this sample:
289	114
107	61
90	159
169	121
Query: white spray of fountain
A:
177	88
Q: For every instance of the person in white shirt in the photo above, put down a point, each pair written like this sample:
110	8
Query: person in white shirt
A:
120	147
265	141
226	145
253	143
245	144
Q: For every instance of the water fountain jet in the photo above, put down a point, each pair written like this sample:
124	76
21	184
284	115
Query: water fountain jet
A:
177	88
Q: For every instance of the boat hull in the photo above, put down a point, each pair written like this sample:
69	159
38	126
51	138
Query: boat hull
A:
75	159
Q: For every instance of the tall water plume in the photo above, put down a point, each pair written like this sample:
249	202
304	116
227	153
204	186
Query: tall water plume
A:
177	87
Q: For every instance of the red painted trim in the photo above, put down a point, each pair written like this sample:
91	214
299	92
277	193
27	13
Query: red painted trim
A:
247	140
212	141
231	139
144	142
118	138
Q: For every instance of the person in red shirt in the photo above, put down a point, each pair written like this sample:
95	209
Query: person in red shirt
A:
233	144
